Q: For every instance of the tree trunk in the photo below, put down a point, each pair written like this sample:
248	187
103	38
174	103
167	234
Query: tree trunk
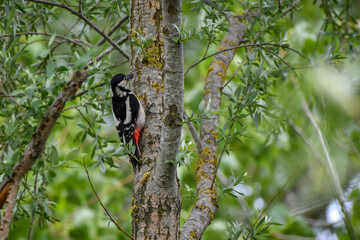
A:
158	70
206	202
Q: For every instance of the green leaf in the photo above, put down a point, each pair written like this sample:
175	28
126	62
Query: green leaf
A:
102	165
51	40
16	92
53	155
72	155
50	69
83	60
135	44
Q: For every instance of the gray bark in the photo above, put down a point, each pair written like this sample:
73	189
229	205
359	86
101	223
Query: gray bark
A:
165	176
206	202
159	83
36	148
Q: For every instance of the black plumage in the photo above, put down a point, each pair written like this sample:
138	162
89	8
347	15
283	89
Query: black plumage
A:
129	115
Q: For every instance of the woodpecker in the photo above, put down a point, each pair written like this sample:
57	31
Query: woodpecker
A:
129	115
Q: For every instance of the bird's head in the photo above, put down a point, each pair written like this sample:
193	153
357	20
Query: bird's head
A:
119	81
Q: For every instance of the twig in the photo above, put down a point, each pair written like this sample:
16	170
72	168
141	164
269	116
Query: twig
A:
352	145
17	95
279	6
211	55
210	39
70	29
272	52
228	135
329	165
51	51
107	21
75	41
243	5
10	97
306	139
85	91
273	199
90	23
108	50
291	8
29	236
35	148
222	153
79	8
237	70
249	45
194	133
102	205
113	28
34	199
332	171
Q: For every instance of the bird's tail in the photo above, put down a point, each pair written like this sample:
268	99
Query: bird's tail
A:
135	159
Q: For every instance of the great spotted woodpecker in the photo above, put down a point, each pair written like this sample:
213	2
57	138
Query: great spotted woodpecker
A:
129	115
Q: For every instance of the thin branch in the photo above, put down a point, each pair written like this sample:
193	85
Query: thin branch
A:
237	70
10	97
107	21
79	7
90	23
35	149
211	55
94	6
273	199
102	205
273	53
249	45
29	236
108	50
332	171
222	152
306	139
70	29
290	9
94	131
279	6
210	39
242	4
17	95
113	29
229	133
286	47
75	41
51	51
329	165
194	133
352	145
85	91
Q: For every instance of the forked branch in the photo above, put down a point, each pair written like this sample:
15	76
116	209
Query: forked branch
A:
9	188
85	19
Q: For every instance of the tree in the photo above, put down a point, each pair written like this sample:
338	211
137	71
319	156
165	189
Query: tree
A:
264	81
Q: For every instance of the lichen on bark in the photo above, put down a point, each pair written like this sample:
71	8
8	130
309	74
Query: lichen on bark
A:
156	202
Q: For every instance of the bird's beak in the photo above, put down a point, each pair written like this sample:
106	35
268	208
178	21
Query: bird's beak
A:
128	77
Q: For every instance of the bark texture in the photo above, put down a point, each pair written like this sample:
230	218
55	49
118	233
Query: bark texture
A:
36	148
206	202
165	176
159	83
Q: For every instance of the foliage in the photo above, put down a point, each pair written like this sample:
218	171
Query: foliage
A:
263	128
142	43
184	155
